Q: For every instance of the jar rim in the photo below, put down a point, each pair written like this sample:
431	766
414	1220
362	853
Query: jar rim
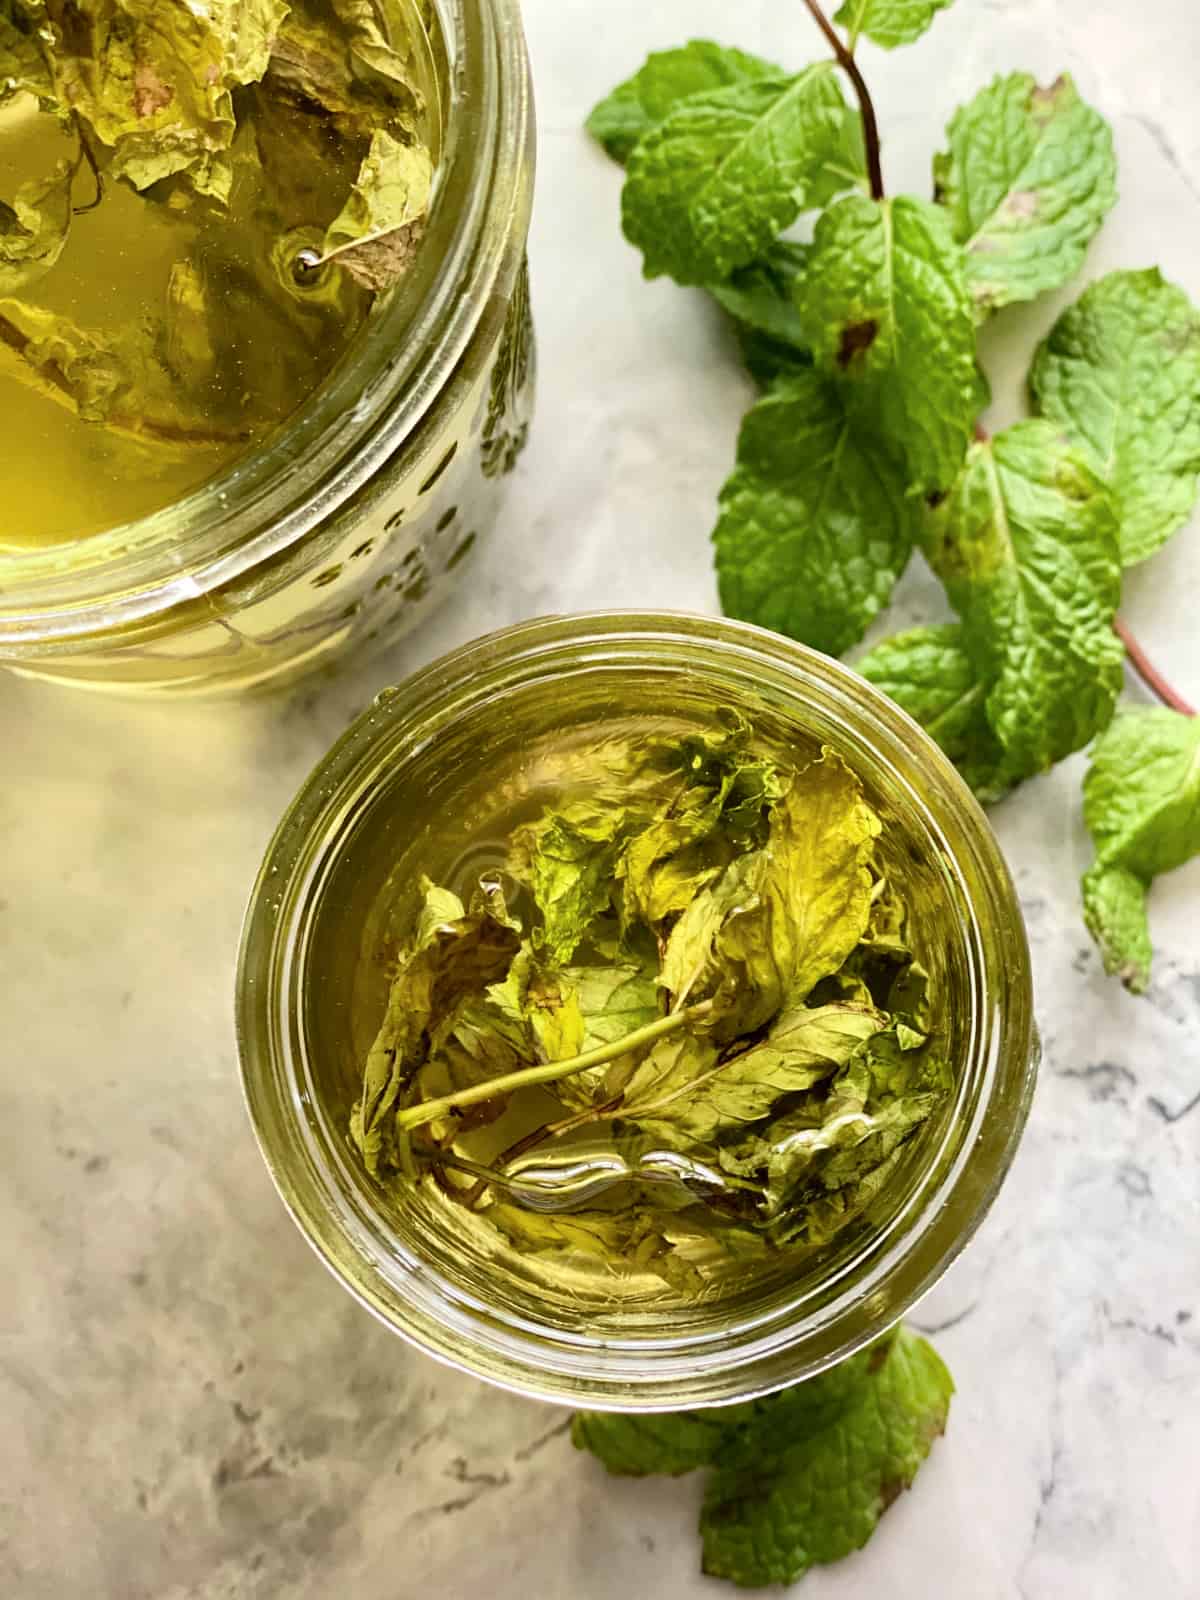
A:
763	1352
302	472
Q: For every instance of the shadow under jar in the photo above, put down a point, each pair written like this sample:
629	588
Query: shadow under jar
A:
357	516
432	779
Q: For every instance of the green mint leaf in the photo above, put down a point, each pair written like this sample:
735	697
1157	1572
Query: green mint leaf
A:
657	87
1116	916
1121	370
885	304
683	1094
766	359
1026	544
815	523
761	297
453	956
669	1444
930	673
1029	177
376	234
1141	803
727	172
888	22
790	1496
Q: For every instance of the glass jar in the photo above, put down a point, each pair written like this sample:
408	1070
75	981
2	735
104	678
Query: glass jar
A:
359	516
313	976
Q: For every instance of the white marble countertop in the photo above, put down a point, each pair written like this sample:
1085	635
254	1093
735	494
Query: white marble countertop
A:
190	1408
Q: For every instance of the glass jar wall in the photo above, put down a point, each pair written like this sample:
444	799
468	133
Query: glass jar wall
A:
429	780
359	516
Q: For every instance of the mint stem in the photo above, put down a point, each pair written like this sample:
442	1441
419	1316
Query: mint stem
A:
1149	673
429	1110
849	66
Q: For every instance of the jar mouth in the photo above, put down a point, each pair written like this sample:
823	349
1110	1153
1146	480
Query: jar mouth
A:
700	1362
303	471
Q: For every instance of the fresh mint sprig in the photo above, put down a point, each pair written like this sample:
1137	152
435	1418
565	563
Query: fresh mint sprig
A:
860	449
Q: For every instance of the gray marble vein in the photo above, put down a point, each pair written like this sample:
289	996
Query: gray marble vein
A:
190	1408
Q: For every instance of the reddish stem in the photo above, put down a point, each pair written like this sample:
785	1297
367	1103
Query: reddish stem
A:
849	66
1149	673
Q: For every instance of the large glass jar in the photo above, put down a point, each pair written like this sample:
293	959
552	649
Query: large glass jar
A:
412	783
356	518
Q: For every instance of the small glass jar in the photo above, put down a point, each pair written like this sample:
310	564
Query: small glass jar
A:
313	978
358	517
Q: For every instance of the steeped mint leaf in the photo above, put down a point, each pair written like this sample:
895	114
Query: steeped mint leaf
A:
716	183
888	22
1026	544
1029	177
885	305
684	1094
815	523
24	65
718	810
809	899
453	955
375	235
807	1479
666	78
568	858
34	228
155	83
930	674
1121	370
1141	803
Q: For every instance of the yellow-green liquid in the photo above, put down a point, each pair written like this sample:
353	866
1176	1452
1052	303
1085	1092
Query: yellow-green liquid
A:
263	345
452	818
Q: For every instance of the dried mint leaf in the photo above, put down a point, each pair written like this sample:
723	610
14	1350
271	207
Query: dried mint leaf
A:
121	382
719	810
568	859
23	64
